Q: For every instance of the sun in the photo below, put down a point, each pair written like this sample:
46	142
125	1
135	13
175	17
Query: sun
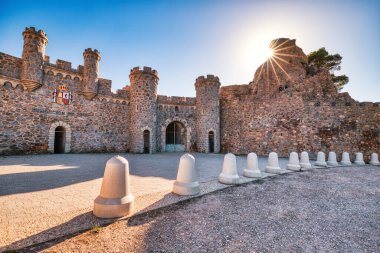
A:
268	52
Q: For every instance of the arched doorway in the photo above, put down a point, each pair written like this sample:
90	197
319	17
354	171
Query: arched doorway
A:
59	140
211	142
175	137
146	141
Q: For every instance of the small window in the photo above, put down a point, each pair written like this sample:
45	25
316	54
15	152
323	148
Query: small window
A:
286	86
137	108
203	111
176	109
280	89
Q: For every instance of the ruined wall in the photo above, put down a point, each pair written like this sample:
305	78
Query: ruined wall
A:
289	108
287	124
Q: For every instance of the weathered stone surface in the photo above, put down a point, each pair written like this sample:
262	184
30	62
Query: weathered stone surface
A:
359	158
287	107
321	159
229	172
294	163
186	183
115	199
252	166
304	162
345	159
273	166
331	160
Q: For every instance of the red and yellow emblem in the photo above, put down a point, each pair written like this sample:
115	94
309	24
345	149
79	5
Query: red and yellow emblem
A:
62	96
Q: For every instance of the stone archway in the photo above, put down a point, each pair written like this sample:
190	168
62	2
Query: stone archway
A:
187	134
147	145
59	138
175	137
212	141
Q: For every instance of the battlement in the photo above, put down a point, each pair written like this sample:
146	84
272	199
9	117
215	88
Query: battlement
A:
190	101
209	78
88	52
32	31
61	64
145	70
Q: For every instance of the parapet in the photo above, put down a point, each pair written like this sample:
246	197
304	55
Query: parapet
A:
145	70
208	80
32	31
65	65
88	52
234	90
190	101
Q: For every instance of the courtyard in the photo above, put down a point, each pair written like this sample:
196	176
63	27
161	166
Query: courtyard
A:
48	196
47	201
45	197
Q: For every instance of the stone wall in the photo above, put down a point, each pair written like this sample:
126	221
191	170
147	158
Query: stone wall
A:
26	118
168	111
10	66
207	113
143	108
289	106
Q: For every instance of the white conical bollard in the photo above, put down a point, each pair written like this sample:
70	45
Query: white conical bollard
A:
374	159
304	162
252	166
359	159
229	173
186	183
331	161
294	163
273	166
115	199
321	160
345	159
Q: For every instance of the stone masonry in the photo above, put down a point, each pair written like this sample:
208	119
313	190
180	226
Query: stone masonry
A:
289	106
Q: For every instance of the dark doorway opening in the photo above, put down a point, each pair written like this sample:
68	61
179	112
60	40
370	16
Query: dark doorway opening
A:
59	140
175	137
146	141
211	146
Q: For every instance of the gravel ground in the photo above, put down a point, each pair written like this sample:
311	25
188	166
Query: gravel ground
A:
322	210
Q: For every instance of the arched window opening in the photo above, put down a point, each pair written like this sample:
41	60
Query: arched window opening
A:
176	109
175	137
211	142
146	135
59	140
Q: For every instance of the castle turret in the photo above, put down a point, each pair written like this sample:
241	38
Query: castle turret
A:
143	110
90	73
32	58
207	114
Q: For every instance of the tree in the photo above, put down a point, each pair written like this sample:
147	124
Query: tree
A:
321	59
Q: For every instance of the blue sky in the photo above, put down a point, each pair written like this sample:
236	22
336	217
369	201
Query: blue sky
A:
185	39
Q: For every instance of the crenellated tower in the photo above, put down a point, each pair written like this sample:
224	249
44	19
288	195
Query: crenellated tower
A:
207	116
33	54
90	73
143	110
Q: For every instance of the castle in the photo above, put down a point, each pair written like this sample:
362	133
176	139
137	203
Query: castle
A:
289	106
